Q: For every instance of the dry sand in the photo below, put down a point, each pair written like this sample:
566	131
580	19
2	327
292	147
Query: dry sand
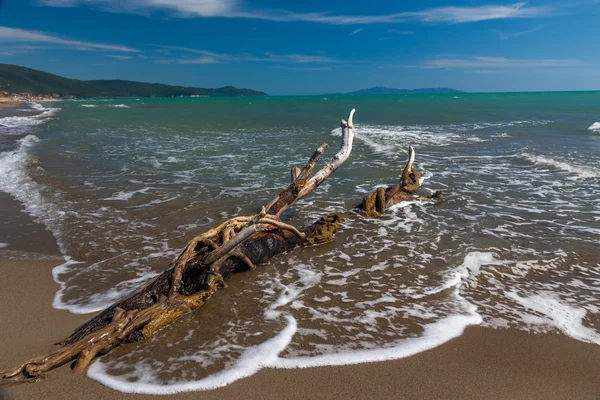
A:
481	364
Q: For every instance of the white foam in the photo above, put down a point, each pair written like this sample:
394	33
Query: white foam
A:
595	127
96	301
15	180
253	360
434	334
88	105
578	171
20	124
267	354
555	312
17	183
469	269
3	245
120	106
126	195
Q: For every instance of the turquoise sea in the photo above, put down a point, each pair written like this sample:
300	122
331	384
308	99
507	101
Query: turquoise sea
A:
124	183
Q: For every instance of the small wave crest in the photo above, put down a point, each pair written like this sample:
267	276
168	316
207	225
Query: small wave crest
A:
556	313
595	127
579	172
21	124
16	182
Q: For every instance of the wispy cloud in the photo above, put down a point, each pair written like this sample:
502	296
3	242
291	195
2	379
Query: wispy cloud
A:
354	32
16	36
494	63
301	68
120	58
511	35
235	9
203	8
398	32
209	57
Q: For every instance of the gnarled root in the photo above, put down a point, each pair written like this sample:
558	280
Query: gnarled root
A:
376	203
195	274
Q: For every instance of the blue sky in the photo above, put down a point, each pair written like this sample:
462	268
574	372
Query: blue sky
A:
311	47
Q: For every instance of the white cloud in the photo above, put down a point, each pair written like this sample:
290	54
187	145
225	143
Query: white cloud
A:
354	32
203	8
511	35
234	9
494	63
302	59
120	58
209	57
301	68
398	32
201	60
14	35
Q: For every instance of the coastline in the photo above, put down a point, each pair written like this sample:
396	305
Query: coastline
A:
9	103
482	363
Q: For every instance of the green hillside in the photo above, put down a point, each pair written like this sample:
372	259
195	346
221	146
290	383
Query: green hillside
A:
16	79
384	90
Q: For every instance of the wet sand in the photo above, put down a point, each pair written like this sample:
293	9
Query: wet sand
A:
23	237
483	363
9	103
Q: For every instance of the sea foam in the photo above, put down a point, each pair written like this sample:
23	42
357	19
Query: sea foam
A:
253	360
578	172
267	354
15	180
595	127
556	313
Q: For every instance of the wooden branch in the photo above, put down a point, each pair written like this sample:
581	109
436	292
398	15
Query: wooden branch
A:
236	245
376	203
295	173
196	273
333	164
282	202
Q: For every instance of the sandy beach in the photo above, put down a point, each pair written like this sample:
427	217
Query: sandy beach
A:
483	363
9	103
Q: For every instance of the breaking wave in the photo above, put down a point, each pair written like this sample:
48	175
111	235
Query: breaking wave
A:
578	172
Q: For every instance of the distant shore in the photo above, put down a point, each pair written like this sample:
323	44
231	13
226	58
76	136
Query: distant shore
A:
17	100
9	103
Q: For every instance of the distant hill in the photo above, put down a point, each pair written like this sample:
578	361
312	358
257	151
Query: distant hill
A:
16	79
384	90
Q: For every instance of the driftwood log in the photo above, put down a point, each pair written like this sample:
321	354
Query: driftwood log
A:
201	268
376	203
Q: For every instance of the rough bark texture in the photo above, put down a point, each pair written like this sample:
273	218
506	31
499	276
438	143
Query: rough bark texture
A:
207	260
376	203
196	274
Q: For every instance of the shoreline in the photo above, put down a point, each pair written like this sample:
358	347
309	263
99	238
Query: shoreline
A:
482	363
7	103
11	102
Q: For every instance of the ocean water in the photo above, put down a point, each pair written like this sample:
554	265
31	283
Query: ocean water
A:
124	183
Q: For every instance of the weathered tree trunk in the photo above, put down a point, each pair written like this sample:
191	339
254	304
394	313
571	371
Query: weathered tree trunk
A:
196	274
207	260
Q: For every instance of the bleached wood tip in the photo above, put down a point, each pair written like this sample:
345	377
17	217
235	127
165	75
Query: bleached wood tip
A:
411	157
350	117
348	123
